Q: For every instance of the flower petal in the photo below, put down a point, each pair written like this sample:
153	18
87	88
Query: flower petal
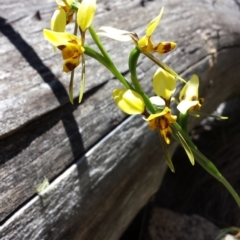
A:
153	24
146	44
184	105
155	100
190	90
70	63
155	115
164	47
129	101
61	3
116	34
60	38
164	84
58	21
85	14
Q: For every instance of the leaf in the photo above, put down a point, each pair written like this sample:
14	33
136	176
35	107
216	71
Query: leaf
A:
166	154
202	114
164	66
186	147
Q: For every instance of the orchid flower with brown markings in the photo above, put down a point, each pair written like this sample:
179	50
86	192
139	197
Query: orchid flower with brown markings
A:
130	102
62	16
188	96
145	43
69	44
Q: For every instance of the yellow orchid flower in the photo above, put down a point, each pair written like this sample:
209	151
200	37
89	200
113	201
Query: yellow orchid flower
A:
189	96
132	103
145	43
62	16
69	44
66	6
164	84
85	14
162	121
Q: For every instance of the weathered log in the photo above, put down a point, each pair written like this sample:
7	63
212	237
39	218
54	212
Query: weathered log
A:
103	167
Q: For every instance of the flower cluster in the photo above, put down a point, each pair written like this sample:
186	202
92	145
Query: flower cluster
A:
71	46
164	85
131	98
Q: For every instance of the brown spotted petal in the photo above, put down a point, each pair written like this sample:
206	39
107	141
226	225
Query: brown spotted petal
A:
164	47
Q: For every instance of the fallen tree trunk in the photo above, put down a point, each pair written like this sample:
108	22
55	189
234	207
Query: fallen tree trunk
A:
102	166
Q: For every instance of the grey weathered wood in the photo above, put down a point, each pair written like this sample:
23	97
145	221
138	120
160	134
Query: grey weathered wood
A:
42	134
97	186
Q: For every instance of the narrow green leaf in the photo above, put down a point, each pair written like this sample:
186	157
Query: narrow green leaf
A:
225	231
202	114
164	66
82	84
207	164
185	146
166	154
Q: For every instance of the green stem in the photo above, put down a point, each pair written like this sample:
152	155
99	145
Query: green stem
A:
182	119
132	62
207	164
97	56
108	60
98	42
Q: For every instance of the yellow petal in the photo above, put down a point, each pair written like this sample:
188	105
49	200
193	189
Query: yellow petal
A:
143	42
85	14
128	101
146	44
58	21
60	38
164	47
71	50
153	24
164	84
69	2
70	63
116	34
190	90
153	116
184	105
166	133
64	3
